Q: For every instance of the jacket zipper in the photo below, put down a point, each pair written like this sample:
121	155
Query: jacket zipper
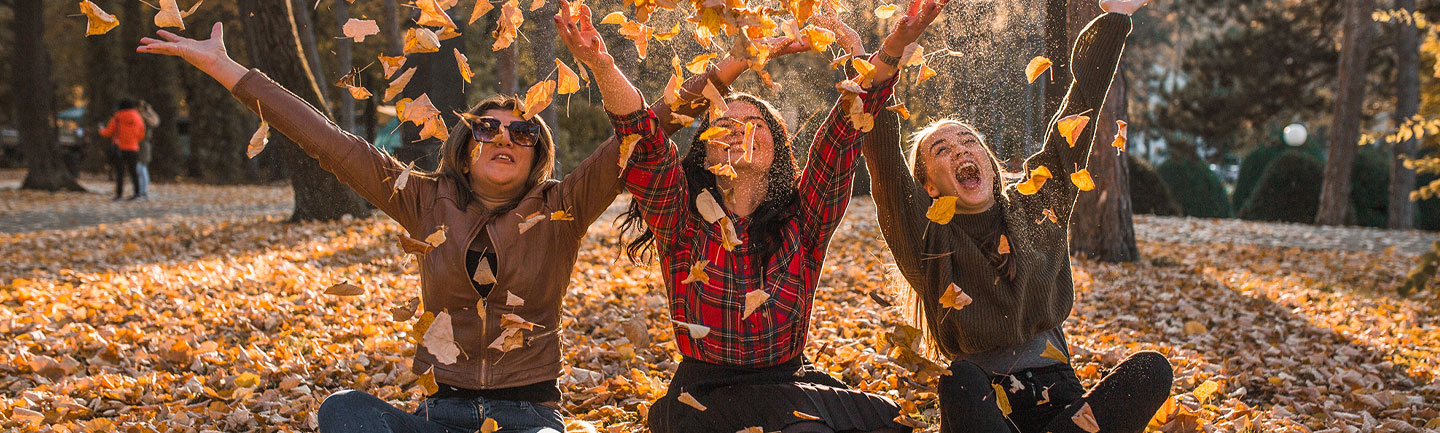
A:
485	323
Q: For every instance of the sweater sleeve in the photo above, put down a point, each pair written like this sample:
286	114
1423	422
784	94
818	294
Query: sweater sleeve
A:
1095	57
824	189
899	201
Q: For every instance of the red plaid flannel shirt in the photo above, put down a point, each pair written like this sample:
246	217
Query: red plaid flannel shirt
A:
776	331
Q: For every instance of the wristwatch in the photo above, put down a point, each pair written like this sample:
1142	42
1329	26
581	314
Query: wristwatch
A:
893	61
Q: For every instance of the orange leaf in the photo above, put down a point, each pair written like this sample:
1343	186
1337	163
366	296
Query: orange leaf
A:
690	400
358	29
925	74
345	289
955	298
421	40
886	11
901	110
464	64
538	97
1071	126
391	64
99	22
697	273
627	148
1037	67
942	210
431	15
1082	180
753	300
1004	247
482	7
714	132
1122	135
1085	419
568	81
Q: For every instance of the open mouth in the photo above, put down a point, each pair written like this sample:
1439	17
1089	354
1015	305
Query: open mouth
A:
503	157
968	175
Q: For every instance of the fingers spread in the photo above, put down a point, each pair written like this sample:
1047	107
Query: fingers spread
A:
217	31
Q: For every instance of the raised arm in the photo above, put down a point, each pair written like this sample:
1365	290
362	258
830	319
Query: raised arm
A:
354	161
900	202
1095	57
825	183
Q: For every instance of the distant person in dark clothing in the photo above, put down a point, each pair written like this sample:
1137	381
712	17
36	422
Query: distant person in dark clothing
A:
125	130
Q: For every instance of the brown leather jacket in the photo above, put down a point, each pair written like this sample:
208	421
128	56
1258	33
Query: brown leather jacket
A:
535	266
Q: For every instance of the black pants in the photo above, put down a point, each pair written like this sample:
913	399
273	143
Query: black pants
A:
1124	401
124	163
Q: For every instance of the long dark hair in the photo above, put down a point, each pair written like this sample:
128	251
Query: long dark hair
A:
781	191
455	153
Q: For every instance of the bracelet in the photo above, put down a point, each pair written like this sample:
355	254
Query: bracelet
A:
888	59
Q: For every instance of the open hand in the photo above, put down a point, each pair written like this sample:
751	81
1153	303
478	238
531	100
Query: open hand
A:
912	25
202	54
579	35
1127	7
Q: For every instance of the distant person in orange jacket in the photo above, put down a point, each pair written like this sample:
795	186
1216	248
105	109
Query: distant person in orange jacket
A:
125	130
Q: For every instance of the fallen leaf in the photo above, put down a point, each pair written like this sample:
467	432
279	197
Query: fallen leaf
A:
942	210
436	238
1071	126
1054	353
258	140
697	273
1193	328
483	272
1205	390
345	289
1002	399
753	300
1004	247
1037	66
358	29
1085	419
98	22
1082	180
439	340
696	331
954	298
689	400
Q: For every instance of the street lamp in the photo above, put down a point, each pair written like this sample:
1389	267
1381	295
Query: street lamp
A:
1295	135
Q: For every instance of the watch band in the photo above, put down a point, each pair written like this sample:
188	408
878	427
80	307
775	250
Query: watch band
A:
893	61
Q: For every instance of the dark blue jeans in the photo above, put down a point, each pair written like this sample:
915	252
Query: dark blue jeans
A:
357	412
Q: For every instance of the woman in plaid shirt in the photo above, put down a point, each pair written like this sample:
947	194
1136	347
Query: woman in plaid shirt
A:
742	239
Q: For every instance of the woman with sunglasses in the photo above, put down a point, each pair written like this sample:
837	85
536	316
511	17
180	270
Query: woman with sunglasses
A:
1006	252
756	238
513	237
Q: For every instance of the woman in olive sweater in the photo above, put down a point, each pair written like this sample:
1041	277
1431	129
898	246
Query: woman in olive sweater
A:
1006	252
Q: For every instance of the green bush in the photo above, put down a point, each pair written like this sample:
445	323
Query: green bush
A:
1148	193
1196	188
1251	168
1427	212
1370	189
1289	190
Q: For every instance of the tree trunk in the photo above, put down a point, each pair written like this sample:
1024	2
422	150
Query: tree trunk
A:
346	116
542	41
394	38
274	44
1407	102
507	80
1349	100
150	79
305	29
104	71
1101	225
45	169
438	75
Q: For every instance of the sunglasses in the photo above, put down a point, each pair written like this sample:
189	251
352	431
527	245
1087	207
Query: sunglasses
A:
486	129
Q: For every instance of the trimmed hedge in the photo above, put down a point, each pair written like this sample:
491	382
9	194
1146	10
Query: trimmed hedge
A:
1148	193
1197	189
1370	189
1288	190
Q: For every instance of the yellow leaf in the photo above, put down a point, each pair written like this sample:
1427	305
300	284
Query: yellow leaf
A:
439	340
689	400
1193	328
1037	179
955	298
1001	399
1037	66
391	64
901	110
627	148
729	239
668	34
258	140
427	381
925	74
1122	135
482	7
358	29
414	246
483	273
431	15
749	142
697	65
508	25
538	97
359	93
886	11
436	238
1004	247
723	169
561	215
718	106
398	84
568	81
345	289
489	426
697	273
247	380
421	40
464	65
1082	180
818	37
1205	390
170	14
614	18
1071	126
434	126
753	300
1085	419
1054	353
864	68
714	132
99	22
942	210
695	331
422	324
530	221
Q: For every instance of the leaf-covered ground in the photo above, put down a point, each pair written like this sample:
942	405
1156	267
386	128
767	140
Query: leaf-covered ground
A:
217	321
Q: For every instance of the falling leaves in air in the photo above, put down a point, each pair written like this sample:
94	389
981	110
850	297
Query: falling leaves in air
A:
351	83
709	208
404	178
697	273
627	148
439	340
1054	353
1122	135
98	22
1082	180
954	298
1037	67
1037	179
901	110
1072	126
464	65
170	14
258	140
561	215
391	64
926	73
714	132
432	15
748	143
481	8
695	331
358	29
1004	247
484	273
942	210
427	382
345	289
530	221
884	12
508	25
723	169
421	40
568	82
805	416
513	300
1085	419
1048	214
690	400
538	97
438	237
398	84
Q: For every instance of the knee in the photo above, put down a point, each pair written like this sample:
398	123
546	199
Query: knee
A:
1154	371
344	407
965	378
